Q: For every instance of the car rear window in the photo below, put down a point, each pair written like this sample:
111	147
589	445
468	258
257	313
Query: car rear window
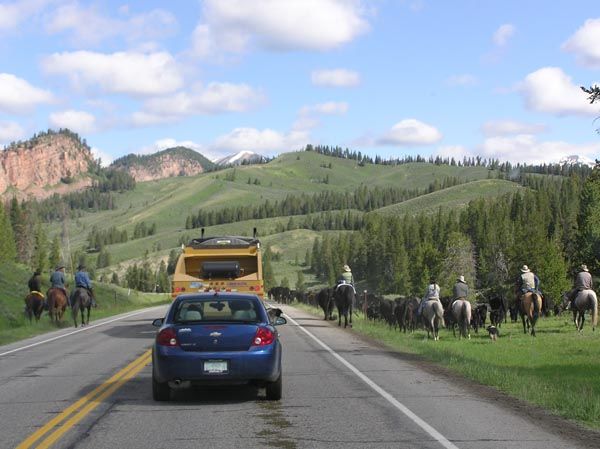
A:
217	309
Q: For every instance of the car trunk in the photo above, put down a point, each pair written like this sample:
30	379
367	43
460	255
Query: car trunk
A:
216	337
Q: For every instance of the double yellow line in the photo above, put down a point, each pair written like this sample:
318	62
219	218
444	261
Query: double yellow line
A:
84	406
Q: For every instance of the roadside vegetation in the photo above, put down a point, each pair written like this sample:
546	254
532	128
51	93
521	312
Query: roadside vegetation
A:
557	370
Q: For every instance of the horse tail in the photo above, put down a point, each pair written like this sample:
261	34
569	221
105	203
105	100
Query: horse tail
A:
594	301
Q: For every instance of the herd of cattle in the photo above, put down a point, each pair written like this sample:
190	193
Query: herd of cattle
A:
401	313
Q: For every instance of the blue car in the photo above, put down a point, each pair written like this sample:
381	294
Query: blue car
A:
217	339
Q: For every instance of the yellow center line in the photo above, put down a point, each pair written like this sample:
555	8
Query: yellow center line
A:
29	441
51	439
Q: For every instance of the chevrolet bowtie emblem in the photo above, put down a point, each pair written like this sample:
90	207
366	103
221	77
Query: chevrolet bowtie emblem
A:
215	334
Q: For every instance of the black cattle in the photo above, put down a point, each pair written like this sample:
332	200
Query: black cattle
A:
479	316
326	302
406	314
498	309
386	311
514	313
373	310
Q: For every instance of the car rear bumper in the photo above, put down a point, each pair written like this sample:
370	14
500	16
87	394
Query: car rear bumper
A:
170	364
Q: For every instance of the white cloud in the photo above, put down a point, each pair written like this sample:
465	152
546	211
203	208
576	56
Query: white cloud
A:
503	34
550	90
410	132
525	148
210	99
584	43
130	73
458	152
12	14
10	131
90	26
18	96
105	158
335	78
230	25
260	141
511	127
78	121
462	80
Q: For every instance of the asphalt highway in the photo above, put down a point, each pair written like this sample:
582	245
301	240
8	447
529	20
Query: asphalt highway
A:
91	389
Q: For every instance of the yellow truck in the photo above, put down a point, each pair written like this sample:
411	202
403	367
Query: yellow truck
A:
225	264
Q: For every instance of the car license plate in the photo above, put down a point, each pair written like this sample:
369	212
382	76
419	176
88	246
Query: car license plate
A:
215	367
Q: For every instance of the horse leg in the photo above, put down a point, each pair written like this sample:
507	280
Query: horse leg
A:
88	316
524	326
351	309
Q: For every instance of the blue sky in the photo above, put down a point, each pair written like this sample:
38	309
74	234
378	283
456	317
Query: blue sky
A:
389	77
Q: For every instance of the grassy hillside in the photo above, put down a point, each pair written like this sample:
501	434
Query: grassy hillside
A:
13	285
453	197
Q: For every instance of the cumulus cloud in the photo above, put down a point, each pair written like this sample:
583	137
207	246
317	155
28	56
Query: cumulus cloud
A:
18	96
584	43
458	152
526	148
462	80
410	132
335	78
550	90
78	121
213	98
14	13
308	116
105	158
260	141
133	73
10	131
503	34
231	25
88	25
511	127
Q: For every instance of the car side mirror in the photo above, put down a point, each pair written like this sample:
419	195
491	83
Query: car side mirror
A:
158	322
279	321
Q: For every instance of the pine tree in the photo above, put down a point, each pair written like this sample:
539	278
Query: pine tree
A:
589	221
268	276
300	283
54	257
8	250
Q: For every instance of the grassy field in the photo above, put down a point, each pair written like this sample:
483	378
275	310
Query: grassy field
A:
557	370
14	326
451	198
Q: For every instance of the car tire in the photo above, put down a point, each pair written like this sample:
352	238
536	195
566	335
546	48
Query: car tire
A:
160	390
274	389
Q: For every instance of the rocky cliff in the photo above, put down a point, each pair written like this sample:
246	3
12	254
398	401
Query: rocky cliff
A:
178	161
54	162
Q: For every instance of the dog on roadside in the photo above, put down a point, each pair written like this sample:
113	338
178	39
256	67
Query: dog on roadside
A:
493	331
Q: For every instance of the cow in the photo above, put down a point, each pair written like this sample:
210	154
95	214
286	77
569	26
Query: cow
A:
326	302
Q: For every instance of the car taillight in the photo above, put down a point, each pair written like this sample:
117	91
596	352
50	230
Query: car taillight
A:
264	336
167	337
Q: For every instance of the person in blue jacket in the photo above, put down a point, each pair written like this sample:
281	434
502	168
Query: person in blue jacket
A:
82	280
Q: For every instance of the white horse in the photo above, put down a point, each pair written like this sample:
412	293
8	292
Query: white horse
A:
433	317
461	311
585	300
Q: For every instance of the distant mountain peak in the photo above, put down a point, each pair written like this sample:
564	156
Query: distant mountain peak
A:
575	159
240	157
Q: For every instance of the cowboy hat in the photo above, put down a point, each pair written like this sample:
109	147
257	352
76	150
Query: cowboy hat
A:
59	267
525	269
584	267
461	278
347	268
81	267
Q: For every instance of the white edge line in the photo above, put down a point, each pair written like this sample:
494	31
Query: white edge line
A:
392	400
83	329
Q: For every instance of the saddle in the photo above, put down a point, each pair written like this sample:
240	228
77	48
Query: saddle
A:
345	283
35	292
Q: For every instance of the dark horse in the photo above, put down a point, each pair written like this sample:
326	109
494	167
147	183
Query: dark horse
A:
82	299
530	309
325	301
344	299
57	304
34	305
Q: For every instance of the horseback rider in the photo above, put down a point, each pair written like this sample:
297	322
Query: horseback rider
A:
57	279
35	282
583	281
82	280
431	293
461	289
346	276
527	282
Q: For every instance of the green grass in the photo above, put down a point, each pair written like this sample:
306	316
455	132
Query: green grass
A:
557	370
451	198
14	326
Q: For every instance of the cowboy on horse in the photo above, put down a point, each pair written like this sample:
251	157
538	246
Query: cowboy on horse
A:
346	278
432	293
527	281
57	279
82	280
583	281
35	283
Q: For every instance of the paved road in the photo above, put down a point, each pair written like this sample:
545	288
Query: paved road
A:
340	391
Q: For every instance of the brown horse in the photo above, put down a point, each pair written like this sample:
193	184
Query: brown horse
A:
57	304
34	305
530	309
82	300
